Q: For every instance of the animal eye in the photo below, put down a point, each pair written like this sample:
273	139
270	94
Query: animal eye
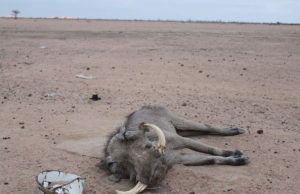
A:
148	146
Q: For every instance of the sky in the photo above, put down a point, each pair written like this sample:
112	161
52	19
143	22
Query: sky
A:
261	11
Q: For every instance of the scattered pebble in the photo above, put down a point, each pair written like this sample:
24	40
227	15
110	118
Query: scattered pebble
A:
84	76
95	97
5	138
52	95
184	104
87	68
260	131
6	183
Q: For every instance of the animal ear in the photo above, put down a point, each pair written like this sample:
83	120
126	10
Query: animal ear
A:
105	164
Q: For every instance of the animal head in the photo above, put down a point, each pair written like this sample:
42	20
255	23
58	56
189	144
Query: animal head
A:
138	158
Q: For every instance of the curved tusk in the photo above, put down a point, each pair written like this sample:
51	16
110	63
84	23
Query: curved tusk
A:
139	187
161	144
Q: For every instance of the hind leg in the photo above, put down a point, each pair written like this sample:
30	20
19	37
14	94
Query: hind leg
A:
198	159
177	142
204	148
187	127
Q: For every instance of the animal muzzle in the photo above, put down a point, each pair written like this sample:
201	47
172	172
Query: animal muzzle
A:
161	144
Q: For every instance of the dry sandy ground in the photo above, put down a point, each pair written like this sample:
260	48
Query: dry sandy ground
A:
243	75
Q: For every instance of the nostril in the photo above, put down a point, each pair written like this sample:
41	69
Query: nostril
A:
110	164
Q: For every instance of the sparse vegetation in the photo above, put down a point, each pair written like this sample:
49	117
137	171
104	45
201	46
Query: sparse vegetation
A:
15	13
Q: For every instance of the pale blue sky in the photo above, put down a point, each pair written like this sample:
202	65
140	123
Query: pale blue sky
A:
285	11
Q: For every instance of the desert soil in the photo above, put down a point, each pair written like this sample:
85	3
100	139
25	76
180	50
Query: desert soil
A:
244	75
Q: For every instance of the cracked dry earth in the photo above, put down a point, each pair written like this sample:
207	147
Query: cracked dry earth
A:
244	75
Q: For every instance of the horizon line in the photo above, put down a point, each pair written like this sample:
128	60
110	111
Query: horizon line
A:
151	20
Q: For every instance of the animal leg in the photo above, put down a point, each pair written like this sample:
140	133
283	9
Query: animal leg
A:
187	127
204	148
198	159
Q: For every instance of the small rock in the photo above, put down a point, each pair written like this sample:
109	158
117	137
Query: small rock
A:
29	95
21	123
184	104
95	97
244	68
200	71
5	138
6	183
87	68
260	131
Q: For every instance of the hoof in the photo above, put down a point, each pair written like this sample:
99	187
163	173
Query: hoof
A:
238	161
234	131
235	153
